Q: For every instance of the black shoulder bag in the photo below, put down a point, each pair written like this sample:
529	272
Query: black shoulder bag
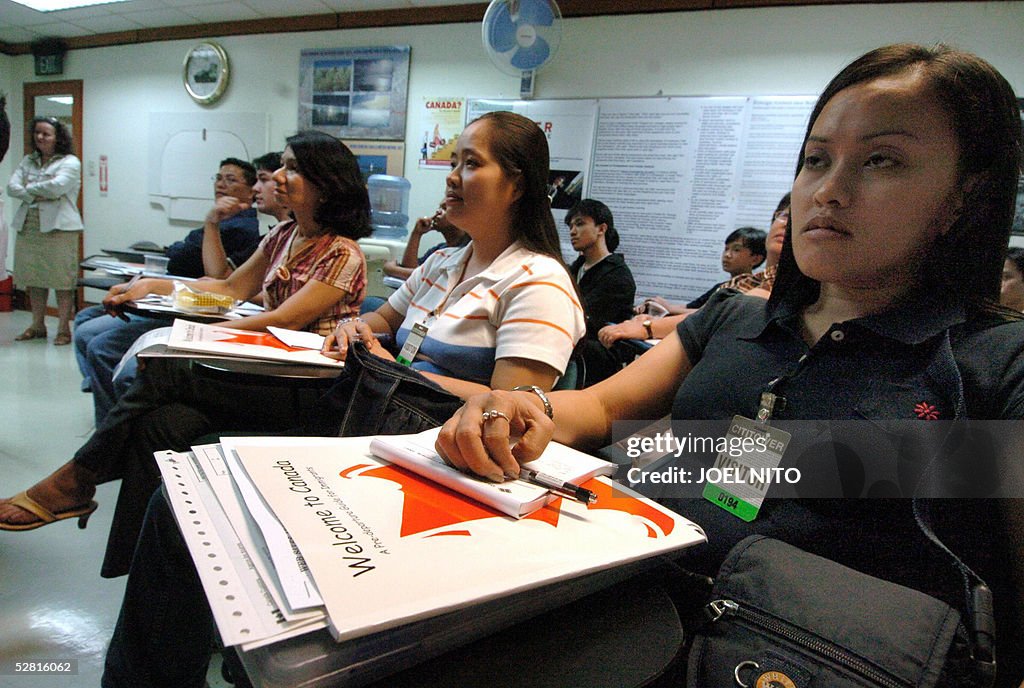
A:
783	618
375	396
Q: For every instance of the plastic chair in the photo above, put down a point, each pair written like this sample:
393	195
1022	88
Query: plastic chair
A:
376	256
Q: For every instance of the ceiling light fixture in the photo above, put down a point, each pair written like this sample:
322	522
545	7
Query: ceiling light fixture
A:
57	5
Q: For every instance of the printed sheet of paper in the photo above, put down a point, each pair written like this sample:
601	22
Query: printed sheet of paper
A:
214	339
211	459
243	608
297	338
293	574
387	547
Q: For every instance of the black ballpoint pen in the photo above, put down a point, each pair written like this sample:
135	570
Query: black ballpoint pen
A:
560	487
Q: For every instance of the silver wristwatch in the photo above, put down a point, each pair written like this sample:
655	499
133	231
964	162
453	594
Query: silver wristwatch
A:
540	393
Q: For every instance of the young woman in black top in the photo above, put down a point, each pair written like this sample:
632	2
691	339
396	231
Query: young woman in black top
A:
885	307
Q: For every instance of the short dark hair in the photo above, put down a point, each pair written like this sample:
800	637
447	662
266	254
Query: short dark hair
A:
752	238
601	215
268	161
63	144
967	261
328	164
247	169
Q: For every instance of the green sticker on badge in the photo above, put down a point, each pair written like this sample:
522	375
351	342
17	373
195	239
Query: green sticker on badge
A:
731	503
746	467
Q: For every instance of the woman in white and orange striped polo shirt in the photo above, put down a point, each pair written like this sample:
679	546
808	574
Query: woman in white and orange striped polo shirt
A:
502	311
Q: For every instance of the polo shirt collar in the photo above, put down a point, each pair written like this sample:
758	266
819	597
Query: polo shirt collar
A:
499	267
913	321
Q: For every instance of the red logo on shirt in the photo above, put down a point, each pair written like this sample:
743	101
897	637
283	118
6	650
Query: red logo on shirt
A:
926	411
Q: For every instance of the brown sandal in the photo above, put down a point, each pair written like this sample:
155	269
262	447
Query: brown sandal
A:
31	333
62	339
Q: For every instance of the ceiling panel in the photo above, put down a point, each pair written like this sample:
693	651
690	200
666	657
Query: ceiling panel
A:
16	34
108	24
189	3
435	3
292	8
162	13
221	12
364	5
136	6
76	13
59	29
13	14
152	19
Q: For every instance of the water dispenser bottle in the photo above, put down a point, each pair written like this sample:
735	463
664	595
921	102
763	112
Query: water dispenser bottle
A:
389	201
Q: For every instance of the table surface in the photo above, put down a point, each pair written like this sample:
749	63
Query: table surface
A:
241	366
113	266
163	312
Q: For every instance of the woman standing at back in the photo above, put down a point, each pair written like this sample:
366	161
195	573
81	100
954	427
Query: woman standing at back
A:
46	183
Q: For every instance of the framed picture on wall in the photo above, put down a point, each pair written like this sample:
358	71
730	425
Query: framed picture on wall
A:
356	93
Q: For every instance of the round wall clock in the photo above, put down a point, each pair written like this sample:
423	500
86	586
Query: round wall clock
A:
206	73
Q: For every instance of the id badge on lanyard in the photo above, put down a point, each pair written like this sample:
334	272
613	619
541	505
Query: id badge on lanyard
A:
419	330
748	464
412	344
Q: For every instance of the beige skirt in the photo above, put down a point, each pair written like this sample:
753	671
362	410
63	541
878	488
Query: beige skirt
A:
45	259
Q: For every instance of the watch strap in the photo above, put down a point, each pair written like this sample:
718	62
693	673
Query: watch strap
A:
647	326
540	393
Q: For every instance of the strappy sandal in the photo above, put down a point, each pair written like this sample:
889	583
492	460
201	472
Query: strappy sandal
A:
46	517
31	333
62	339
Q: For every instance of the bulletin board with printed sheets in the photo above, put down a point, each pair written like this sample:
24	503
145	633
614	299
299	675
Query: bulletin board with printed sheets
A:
679	173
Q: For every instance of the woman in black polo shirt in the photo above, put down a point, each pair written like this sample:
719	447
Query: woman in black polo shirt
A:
885	307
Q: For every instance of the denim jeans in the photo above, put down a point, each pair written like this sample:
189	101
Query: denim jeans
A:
165	630
168	406
100	343
89	322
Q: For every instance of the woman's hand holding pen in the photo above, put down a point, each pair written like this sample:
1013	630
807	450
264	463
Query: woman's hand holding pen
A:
494	432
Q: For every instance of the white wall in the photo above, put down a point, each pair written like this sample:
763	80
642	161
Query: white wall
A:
747	51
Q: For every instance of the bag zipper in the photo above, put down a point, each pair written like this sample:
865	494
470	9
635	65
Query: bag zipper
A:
716	609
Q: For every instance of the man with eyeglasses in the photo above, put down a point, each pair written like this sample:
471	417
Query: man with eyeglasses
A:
231	231
229	236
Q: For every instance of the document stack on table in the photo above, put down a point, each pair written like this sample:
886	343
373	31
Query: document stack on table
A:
187	339
292	533
162	305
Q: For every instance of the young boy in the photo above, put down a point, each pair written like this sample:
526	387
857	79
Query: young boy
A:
605	281
744	251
